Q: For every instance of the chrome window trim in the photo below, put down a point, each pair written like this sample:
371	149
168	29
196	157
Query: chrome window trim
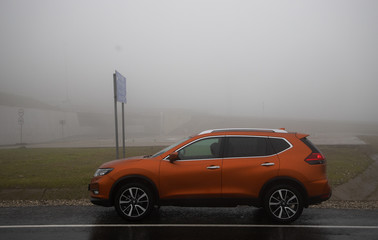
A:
225	136
290	146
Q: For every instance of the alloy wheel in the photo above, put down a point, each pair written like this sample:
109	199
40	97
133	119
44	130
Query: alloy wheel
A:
283	204
133	202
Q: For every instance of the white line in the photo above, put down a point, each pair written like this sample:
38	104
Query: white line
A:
184	226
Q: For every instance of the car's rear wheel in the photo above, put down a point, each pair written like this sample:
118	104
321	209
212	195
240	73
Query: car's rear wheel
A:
134	201
283	203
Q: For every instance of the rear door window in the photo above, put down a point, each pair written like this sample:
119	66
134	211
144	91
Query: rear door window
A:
247	147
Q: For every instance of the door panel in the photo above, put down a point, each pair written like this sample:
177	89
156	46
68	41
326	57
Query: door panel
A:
190	179
248	163
244	177
197	173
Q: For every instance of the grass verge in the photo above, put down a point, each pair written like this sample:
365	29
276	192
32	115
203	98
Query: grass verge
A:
63	173
345	162
54	173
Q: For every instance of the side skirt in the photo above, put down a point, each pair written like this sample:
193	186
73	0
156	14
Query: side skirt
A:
219	202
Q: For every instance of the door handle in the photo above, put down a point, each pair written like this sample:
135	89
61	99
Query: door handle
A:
267	164
212	167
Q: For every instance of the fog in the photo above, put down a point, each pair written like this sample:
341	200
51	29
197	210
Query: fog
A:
311	60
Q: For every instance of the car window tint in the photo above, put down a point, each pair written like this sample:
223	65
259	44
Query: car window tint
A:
246	147
310	145
279	144
202	149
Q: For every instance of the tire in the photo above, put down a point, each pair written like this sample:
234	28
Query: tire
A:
283	203
134	201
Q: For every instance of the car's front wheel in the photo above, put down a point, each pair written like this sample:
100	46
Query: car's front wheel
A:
134	201
283	203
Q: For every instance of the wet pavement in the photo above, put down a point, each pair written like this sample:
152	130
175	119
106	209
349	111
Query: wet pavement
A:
92	222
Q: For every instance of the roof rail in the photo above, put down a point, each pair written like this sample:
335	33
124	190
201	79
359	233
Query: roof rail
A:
281	130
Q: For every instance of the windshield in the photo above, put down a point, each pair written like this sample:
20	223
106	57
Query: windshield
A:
170	147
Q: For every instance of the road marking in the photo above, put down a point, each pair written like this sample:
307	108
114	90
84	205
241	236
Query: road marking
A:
184	226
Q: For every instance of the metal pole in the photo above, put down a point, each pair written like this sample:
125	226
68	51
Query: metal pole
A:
21	135
115	113
123	128
21	121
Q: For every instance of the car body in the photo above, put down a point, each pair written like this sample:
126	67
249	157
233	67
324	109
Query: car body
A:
282	172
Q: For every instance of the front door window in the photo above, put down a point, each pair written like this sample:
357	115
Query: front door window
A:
203	149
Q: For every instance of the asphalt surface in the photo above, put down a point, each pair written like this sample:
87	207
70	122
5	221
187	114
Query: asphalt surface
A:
93	222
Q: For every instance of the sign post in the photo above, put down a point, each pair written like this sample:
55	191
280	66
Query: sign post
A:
20	121
119	82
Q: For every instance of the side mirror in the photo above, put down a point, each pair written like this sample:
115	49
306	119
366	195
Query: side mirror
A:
173	157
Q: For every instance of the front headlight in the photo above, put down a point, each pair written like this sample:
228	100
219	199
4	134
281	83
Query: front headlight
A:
102	171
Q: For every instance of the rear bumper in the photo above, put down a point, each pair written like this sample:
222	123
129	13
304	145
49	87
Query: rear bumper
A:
318	191
322	196
319	199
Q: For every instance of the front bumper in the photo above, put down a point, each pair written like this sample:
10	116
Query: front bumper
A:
101	202
96	197
99	187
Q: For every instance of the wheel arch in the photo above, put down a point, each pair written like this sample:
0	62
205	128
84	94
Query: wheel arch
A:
132	179
284	180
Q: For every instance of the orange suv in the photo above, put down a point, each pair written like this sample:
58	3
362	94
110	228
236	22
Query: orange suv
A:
271	168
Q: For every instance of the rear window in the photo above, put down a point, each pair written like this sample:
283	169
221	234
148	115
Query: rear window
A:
309	144
279	144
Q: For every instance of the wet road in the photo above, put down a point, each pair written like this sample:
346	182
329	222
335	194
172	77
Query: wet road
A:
92	222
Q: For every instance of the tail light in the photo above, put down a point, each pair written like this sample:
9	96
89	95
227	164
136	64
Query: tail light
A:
315	158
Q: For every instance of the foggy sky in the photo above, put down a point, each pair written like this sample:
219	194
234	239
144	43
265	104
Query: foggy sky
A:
294	59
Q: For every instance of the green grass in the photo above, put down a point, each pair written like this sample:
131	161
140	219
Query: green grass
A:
345	162
65	172
56	167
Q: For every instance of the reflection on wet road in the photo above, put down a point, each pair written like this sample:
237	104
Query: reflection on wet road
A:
93	222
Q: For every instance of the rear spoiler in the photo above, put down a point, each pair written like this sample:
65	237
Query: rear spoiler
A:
301	135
